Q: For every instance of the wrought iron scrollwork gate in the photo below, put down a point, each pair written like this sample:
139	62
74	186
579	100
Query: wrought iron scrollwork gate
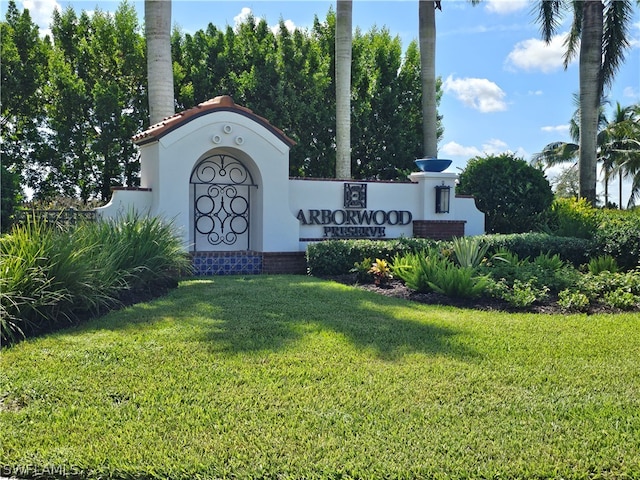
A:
221	204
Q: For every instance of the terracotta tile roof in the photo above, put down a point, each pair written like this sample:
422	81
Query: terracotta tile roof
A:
220	103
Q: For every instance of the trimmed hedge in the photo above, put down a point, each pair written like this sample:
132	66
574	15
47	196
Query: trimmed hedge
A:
570	249
618	235
337	257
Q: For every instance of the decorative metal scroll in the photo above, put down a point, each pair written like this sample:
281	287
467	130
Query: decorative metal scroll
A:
221	202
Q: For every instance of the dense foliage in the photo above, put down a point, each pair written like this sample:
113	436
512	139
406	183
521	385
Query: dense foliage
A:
512	194
72	101
52	274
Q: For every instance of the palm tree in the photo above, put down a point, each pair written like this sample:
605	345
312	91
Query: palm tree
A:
427	36
343	88
618	147
621	148
157	17
599	33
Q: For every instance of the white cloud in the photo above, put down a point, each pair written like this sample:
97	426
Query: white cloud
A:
534	54
535	93
478	93
630	92
246	12
503	7
556	128
242	16
457	150
289	25
41	12
494	147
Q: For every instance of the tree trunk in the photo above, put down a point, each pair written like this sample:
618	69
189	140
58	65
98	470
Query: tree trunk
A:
157	17
343	89
590	93
427	34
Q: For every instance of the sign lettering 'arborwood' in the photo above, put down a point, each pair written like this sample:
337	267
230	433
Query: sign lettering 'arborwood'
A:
361	223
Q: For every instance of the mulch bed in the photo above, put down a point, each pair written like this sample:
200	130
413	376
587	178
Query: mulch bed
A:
397	289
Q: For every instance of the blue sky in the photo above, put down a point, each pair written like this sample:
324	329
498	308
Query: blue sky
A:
504	89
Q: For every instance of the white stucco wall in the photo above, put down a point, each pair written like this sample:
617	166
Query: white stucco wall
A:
179	151
126	201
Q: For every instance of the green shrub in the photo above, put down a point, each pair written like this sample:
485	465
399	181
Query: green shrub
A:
618	235
573	301
603	263
518	294
598	285
417	270
622	299
511	193
457	282
544	272
570	249
431	271
363	271
569	217
469	251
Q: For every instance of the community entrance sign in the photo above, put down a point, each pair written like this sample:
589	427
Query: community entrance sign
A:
220	173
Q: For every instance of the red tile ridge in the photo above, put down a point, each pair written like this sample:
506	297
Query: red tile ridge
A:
219	103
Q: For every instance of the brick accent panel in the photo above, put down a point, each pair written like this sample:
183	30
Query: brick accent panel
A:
438	229
284	262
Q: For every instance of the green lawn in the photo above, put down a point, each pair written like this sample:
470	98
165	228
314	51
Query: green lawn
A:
296	377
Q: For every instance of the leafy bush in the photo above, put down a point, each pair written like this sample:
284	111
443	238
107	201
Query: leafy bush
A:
618	235
512	194
519	294
573	301
598	285
603	263
417	270
381	272
621	299
458	282
544	272
431	271
363	271
569	217
51	275
469	251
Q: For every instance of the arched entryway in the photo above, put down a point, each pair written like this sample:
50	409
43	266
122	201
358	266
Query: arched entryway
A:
222	186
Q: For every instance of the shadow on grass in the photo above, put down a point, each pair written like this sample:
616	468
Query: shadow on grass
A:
270	313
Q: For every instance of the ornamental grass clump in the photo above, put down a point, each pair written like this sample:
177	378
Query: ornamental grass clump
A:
51	275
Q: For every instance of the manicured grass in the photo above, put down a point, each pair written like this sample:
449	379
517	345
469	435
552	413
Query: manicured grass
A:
295	377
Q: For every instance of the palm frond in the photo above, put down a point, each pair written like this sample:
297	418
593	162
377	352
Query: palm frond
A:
549	16
618	15
572	42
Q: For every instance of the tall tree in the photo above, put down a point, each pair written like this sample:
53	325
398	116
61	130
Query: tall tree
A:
599	34
427	38
344	10
157	17
618	147
23	71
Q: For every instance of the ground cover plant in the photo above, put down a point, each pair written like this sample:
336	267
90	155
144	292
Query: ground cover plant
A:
298	377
